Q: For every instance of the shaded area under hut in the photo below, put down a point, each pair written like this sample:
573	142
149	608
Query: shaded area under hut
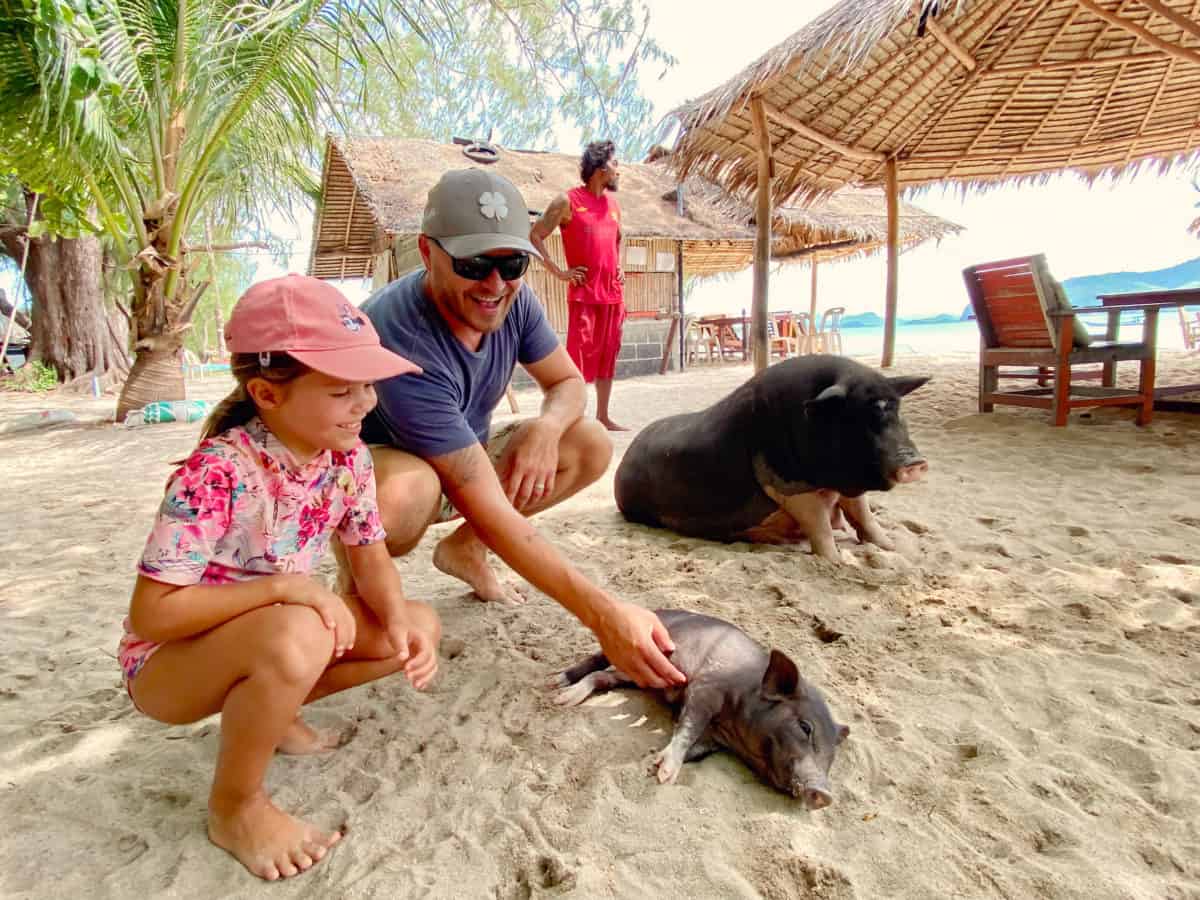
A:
905	93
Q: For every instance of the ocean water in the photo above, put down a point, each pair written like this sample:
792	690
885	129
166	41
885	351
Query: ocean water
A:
963	337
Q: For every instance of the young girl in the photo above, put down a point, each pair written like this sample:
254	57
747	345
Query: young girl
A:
224	616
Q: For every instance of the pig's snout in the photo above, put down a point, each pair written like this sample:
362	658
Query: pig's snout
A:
816	798
815	794
911	472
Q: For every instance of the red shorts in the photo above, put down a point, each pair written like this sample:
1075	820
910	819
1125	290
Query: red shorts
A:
594	338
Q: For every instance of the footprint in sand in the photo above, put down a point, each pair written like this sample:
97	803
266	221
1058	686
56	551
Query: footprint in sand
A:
361	787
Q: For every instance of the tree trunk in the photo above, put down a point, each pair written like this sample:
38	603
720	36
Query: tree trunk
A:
69	326
156	375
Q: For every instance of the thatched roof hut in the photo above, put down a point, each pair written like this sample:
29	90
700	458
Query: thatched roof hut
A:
963	90
912	92
850	223
374	189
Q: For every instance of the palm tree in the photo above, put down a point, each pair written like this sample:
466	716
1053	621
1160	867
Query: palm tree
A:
163	115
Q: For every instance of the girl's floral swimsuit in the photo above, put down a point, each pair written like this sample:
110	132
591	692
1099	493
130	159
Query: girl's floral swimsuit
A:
241	507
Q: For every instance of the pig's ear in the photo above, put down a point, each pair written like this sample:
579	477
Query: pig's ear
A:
827	399
781	678
843	732
906	384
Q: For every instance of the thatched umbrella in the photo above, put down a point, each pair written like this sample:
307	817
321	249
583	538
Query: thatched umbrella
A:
911	92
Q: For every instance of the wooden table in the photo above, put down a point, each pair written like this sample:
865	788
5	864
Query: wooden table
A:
724	326
1161	300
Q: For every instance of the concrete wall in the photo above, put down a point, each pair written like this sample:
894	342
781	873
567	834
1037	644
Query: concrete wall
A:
641	350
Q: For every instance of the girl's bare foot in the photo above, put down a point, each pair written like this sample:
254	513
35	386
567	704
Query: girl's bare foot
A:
610	424
303	740
266	840
466	560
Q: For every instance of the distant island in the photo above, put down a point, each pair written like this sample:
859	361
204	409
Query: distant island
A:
871	320
1083	290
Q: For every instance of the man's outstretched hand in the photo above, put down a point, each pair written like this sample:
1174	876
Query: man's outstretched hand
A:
636	642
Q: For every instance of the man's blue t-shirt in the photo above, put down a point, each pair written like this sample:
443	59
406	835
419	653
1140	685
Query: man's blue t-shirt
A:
449	405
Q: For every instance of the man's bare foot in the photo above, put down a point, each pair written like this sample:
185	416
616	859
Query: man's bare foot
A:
466	560
303	740
610	424
266	840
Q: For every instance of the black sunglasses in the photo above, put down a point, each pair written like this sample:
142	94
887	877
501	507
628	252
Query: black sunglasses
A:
477	268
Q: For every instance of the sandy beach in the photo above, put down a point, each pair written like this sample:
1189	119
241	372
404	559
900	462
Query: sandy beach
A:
1021	678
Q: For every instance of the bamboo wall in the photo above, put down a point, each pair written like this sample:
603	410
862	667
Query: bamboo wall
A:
650	279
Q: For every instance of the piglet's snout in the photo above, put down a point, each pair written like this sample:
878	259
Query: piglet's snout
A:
912	472
817	798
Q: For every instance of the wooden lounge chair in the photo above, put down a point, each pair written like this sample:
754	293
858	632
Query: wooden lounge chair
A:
1025	320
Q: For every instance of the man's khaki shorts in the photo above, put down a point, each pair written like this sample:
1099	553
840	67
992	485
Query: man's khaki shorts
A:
498	440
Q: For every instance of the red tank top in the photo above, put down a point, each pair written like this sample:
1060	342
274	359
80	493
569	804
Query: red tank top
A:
590	239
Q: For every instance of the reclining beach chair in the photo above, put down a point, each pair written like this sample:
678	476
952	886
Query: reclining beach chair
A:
1025	320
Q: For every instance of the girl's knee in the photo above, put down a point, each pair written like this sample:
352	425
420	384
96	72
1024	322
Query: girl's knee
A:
297	647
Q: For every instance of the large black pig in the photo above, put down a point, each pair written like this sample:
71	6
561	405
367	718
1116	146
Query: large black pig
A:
736	697
778	460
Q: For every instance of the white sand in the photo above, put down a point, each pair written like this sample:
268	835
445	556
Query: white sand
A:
1022	679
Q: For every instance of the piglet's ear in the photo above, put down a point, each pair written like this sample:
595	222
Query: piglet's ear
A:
829	398
906	384
843	732
781	678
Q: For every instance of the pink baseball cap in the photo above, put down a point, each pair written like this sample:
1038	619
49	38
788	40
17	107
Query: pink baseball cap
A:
314	323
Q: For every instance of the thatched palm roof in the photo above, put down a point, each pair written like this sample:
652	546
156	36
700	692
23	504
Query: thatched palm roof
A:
991	91
851	222
375	188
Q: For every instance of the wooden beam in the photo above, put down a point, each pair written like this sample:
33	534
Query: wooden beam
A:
1183	22
762	240
791	122
943	37
893	263
1070	64
1185	53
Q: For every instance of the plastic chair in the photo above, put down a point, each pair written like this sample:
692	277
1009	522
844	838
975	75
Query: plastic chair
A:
828	336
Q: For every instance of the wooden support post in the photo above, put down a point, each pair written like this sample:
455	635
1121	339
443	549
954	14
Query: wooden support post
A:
810	340
893	262
679	290
762	240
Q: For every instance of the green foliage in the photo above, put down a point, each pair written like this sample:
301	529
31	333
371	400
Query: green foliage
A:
33	377
230	274
141	119
511	70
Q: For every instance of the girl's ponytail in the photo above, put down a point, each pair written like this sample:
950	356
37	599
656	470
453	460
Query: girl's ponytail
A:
238	408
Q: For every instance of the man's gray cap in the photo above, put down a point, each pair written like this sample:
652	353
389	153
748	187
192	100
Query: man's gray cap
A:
474	211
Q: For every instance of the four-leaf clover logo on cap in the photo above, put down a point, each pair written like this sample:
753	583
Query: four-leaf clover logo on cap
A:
493	205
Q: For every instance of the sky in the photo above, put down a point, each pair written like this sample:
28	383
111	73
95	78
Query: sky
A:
1136	225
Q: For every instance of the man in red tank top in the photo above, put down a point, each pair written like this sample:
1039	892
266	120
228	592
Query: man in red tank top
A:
590	220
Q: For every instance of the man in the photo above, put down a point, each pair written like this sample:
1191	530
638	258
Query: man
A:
590	220
466	319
